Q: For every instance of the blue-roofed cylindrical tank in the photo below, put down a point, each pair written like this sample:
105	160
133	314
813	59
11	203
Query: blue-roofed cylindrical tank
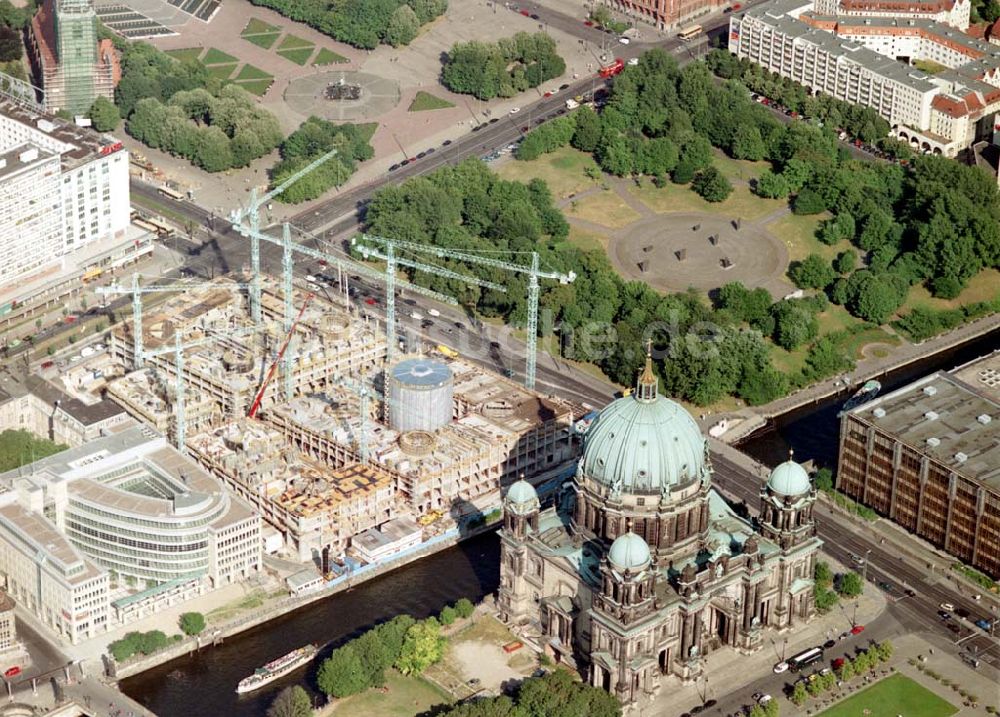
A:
420	395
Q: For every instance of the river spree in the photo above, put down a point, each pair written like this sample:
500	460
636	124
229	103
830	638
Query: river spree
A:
203	685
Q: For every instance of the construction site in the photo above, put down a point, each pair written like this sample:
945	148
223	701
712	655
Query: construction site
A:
299	402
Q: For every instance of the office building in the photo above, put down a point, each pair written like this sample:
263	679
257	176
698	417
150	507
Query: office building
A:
666	14
641	568
865	56
62	188
927	456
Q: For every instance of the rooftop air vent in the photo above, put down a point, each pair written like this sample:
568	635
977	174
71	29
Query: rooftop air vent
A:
961	457
930	390
879	412
45	125
984	418
931	416
28	155
933	441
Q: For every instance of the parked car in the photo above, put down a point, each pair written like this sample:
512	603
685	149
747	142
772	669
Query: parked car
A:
947	606
515	110
780	667
12	671
393	168
829	643
838	663
984	624
857	629
370	301
944	614
534	16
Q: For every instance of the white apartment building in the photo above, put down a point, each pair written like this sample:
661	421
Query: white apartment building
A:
31	232
93	200
866	60
950	12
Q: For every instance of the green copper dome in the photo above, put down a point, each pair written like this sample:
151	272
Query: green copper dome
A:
522	497
789	478
629	552
643	445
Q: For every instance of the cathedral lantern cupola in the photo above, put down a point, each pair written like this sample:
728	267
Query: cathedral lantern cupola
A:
787	500
520	508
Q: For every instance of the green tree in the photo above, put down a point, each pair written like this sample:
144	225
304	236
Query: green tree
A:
711	185
813	272
214	152
794	324
822	573
823	480
846	671
11	47
885	650
845	262
808	201
404	25
799	694
192	623
152	641
588	129
849	584
772	186
464	608
875	297
683	172
825	599
422	647
448	615
104	115
291	702
342	674
748	143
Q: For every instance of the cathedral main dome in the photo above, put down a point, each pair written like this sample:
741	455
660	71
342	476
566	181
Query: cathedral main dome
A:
643	443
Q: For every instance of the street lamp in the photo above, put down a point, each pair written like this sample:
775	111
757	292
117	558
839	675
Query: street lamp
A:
864	569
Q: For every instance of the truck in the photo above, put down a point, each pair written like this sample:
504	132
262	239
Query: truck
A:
572	104
447	351
613	69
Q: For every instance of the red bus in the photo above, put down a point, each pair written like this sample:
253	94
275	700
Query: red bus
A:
613	69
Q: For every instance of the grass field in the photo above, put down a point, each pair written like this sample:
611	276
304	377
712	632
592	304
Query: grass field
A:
588	241
799	236
265	41
292	41
604	208
738	170
256	87
404	696
895	695
249	72
426	101
218	57
222	71
186	53
326	56
984	286
299	55
257	26
680	198
368	129
563	170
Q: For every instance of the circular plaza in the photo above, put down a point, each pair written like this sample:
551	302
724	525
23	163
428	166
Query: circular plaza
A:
342	96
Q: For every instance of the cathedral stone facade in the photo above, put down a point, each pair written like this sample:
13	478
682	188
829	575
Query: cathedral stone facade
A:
642	568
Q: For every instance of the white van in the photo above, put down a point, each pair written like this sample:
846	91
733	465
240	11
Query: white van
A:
433	312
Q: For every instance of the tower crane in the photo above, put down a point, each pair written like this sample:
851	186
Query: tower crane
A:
178	349
270	372
533	271
391	262
137	291
252	214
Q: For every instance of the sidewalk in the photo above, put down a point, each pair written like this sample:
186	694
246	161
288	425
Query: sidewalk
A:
730	670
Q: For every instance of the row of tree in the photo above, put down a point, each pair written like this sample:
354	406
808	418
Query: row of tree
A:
214	131
13	21
864	661
502	68
409	645
362	23
139	643
314	138
556	694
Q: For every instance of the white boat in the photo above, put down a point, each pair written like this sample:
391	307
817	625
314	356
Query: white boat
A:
276	668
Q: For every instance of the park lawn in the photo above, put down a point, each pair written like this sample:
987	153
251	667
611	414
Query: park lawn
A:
215	56
256	26
738	170
895	695
257	87
426	101
605	208
852	345
186	53
984	286
586	240
798	233
222	71
249	72
265	41
292	41
563	170
299	56
326	56
404	697
681	198
367	130
19	448
835	318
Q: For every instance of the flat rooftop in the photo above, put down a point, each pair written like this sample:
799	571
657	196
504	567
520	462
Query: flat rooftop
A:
81	144
953	417
319	489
